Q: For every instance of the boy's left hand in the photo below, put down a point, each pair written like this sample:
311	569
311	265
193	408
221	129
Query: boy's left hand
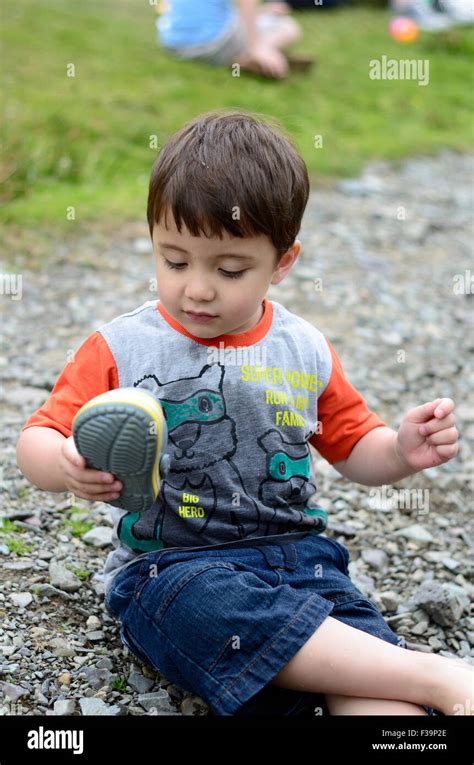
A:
427	436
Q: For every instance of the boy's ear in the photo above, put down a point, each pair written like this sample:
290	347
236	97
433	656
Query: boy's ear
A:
286	262
295	250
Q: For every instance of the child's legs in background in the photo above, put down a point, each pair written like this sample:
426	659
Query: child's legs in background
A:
276	31
273	29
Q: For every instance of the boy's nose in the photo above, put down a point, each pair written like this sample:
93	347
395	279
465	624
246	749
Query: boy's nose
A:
199	290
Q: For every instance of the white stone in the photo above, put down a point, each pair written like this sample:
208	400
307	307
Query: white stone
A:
63	578
417	533
64	707
100	536
21	599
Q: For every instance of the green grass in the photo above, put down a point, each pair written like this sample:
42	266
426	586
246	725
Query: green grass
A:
77	522
78	526
9	532
119	684
79	572
83	141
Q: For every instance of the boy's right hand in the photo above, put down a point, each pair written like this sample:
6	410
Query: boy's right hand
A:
85	482
269	61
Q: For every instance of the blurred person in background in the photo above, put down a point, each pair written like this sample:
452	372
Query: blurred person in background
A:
429	15
228	32
434	15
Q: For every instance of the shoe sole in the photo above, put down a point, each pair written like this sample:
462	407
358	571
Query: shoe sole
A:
124	432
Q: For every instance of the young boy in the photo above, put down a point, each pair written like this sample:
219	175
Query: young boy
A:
225	584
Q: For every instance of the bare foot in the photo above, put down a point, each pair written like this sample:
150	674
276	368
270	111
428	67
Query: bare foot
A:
266	62
455	694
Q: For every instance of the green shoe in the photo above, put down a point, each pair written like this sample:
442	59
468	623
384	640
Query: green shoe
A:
124	432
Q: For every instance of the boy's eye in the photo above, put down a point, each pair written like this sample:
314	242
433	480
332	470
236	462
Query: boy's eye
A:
228	274
174	265
233	274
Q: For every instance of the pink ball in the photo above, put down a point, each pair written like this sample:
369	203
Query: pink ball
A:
403	29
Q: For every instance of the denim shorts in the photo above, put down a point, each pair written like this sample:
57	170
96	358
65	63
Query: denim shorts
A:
230	44
221	623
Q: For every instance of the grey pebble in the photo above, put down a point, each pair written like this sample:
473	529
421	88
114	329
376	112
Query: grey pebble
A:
101	536
159	700
440	602
21	599
376	558
62	578
97	707
138	682
64	707
12	692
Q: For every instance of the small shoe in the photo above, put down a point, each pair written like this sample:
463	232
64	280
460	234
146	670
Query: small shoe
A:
124	432
299	63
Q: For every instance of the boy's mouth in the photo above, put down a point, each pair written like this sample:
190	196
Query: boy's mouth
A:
199	316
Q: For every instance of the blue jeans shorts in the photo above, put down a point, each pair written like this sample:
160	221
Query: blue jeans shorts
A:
222	622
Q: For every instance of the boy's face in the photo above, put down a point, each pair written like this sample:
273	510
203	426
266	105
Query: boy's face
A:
207	277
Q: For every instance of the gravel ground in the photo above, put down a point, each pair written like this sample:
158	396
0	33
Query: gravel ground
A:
384	272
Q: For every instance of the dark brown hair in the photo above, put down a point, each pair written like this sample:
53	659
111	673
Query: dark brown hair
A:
225	161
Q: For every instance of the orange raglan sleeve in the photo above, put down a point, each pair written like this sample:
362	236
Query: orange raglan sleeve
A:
343	415
91	371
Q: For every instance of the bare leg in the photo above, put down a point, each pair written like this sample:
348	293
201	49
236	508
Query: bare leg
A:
340	660
350	705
